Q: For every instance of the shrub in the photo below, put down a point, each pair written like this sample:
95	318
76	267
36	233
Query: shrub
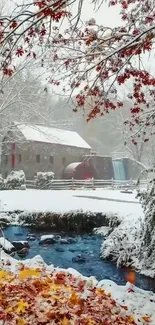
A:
2	184
44	180
15	179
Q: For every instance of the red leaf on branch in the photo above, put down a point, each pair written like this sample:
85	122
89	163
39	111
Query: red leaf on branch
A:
19	51
146	140
34	55
14	24
8	71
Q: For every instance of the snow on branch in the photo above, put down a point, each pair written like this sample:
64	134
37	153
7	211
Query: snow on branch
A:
87	59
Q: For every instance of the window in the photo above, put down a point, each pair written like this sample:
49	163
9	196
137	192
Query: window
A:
51	160
5	159
63	160
38	158
19	158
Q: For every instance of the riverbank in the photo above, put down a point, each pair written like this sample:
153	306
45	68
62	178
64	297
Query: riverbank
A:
69	212
81	252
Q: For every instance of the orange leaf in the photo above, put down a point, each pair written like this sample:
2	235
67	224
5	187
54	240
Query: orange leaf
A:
147	319
131	277
131	319
27	273
100	291
21	321
65	321
75	299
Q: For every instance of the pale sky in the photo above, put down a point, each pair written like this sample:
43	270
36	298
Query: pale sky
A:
107	16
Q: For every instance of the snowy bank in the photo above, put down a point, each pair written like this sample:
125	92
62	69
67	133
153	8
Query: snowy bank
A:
64	201
127	304
37	202
81	211
77	222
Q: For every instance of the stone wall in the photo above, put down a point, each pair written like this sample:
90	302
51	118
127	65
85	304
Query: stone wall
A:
35	157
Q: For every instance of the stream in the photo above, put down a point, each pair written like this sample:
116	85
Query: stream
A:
65	255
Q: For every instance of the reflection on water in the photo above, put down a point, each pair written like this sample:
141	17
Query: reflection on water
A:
62	255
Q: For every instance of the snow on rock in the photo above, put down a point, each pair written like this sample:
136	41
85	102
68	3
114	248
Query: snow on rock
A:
133	301
5	244
47	239
44	237
20	244
9	263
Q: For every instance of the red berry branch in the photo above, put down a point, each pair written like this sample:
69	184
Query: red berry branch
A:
97	60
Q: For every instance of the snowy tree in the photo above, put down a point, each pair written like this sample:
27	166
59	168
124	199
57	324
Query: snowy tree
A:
147	251
24	99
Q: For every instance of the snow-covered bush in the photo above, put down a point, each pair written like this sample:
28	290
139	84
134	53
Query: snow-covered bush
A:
15	179
2	184
44	180
122	244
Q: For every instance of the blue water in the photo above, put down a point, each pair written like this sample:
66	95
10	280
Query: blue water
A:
119	172
62	254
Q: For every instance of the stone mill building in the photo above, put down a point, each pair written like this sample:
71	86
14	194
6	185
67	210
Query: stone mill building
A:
35	148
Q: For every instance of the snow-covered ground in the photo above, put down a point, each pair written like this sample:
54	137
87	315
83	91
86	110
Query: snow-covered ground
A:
64	201
138	303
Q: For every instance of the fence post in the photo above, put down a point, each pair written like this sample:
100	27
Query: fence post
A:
92	182
112	183
72	181
131	184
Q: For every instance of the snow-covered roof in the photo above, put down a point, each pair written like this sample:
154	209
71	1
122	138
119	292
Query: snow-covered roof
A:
39	133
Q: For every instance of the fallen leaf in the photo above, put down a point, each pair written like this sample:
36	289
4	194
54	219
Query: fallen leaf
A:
9	310
131	277
130	290
65	321
124	307
75	299
21	321
91	322
131	319
21	306
27	273
3	274
100	291
147	319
